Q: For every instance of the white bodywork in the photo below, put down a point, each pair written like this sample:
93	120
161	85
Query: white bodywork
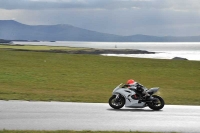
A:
127	93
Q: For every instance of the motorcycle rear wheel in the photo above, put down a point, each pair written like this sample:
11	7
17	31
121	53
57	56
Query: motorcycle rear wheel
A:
156	104
116	103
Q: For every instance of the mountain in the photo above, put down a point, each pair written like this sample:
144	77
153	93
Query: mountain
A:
4	41
13	30
146	38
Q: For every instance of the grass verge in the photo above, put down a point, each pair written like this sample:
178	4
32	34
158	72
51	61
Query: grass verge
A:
43	76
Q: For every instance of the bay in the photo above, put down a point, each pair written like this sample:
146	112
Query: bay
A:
164	50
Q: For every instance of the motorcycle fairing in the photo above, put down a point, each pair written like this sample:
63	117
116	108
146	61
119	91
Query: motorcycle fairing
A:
126	93
134	104
153	90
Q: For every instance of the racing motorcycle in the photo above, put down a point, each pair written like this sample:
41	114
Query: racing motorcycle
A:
131	98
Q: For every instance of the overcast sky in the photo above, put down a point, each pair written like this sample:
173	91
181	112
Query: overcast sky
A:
121	17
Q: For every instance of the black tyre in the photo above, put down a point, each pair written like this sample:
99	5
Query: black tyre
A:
116	103
157	104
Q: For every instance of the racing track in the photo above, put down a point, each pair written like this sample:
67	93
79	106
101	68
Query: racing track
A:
24	115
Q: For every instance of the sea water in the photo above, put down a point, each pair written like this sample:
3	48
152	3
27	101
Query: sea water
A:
164	50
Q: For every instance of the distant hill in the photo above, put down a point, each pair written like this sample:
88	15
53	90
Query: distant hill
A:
4	41
12	30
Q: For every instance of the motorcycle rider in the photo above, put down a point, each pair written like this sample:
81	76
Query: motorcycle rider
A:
133	85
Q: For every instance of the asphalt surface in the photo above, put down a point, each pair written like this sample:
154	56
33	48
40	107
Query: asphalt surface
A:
25	115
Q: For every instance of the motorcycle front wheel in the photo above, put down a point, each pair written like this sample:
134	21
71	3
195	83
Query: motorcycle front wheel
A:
157	104
116	103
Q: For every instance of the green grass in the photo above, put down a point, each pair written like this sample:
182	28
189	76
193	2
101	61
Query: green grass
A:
39	47
28	75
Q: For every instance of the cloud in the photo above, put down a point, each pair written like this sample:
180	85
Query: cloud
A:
176	5
123	17
40	4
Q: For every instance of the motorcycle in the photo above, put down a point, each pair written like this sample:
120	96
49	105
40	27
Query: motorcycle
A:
131	98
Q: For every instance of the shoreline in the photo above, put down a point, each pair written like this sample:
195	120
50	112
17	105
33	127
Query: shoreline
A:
104	51
120	52
89	51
